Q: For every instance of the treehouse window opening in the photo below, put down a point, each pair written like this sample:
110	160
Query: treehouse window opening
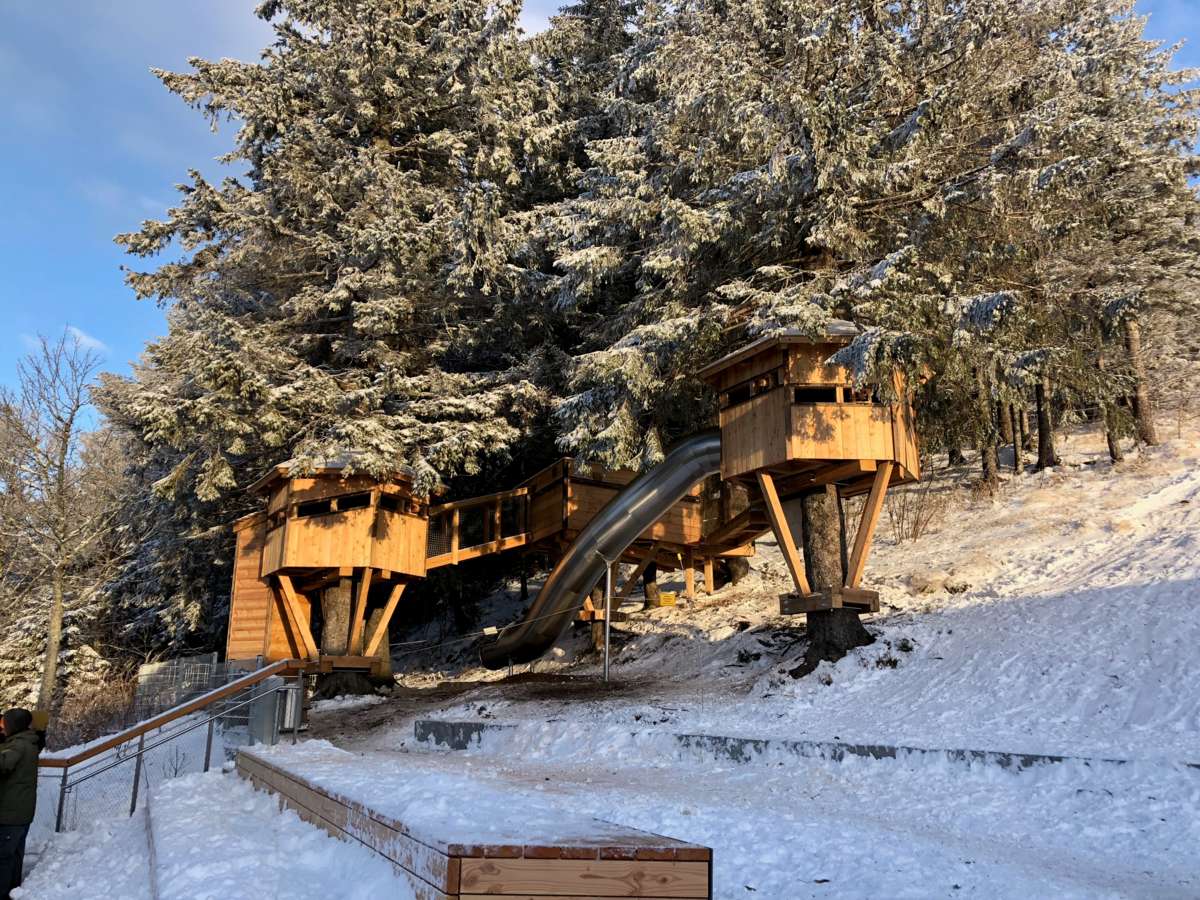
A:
748	390
815	395
313	508
354	501
389	502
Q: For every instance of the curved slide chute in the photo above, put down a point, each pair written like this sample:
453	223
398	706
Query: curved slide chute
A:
639	505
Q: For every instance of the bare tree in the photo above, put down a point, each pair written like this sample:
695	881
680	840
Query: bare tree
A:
52	514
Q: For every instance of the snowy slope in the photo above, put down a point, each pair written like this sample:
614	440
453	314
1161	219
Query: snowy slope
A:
1062	618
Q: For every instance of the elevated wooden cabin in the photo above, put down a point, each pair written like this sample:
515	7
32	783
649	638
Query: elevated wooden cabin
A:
322	527
791	423
326	528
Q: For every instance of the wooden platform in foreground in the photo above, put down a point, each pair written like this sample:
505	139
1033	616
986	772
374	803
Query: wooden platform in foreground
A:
598	859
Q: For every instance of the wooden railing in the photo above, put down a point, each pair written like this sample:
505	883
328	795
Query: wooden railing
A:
178	712
449	516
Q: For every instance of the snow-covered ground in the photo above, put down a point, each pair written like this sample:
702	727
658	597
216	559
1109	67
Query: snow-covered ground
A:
1059	618
215	838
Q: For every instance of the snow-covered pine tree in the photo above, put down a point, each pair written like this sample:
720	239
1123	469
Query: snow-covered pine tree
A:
785	162
326	298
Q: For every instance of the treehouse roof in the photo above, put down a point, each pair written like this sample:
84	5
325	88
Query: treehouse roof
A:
837	331
334	467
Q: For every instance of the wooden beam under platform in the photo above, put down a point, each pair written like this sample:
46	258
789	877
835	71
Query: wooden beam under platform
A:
791	485
840	598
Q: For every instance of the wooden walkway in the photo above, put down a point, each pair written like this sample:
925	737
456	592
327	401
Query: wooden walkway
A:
588	858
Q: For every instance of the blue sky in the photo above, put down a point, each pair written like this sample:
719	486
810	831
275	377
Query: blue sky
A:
93	144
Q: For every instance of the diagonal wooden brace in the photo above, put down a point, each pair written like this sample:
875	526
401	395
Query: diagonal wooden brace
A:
290	601
866	528
783	533
381	627
632	580
358	612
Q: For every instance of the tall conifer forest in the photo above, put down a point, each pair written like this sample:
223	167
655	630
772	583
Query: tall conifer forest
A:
448	245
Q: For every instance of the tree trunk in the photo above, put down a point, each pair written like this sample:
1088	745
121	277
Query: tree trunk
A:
821	533
335	641
335	617
738	567
1047	458
1004	415
1017	440
53	641
832	632
598	625
1026	431
650	586
1143	413
988	454
1112	434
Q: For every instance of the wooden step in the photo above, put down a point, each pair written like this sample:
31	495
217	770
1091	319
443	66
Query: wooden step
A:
444	856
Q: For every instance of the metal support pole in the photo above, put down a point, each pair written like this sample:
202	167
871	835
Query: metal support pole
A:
62	801
607	613
212	724
298	712
137	773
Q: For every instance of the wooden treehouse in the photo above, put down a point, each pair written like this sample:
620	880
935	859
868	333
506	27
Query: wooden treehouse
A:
319	573
791	424
360	539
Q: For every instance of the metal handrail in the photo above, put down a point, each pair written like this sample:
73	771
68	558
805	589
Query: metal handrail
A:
98	767
144	748
177	712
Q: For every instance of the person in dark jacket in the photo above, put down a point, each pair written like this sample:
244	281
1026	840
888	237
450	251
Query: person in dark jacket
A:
18	794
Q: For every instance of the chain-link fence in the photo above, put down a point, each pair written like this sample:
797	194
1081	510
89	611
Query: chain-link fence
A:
110	784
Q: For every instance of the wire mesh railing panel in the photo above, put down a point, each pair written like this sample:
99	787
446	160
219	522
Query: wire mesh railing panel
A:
103	787
472	525
437	541
514	515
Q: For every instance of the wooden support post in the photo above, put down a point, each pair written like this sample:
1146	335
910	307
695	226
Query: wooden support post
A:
866	528
379	632
689	575
358	612
454	537
783	532
709	587
637	573
291	610
496	523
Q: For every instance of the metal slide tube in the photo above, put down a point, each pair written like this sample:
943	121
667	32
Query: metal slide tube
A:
639	505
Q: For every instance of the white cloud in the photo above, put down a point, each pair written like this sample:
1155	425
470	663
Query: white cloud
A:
103	192
86	340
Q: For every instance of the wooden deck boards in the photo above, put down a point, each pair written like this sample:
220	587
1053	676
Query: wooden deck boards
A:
601	860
